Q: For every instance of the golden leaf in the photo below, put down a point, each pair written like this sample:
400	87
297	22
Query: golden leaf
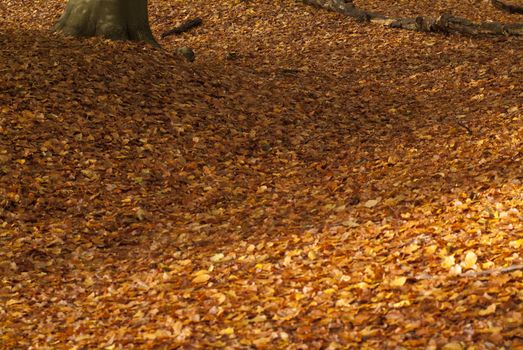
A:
398	281
350	223
160	333
217	257
201	278
220	297
453	346
411	248
470	260
259	318
448	262
372	203
488	311
227	331
343	303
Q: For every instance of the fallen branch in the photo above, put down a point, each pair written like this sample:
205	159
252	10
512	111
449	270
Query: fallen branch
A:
497	271
490	272
507	7
443	24
186	26
449	24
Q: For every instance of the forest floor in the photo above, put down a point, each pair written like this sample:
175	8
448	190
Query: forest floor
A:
309	182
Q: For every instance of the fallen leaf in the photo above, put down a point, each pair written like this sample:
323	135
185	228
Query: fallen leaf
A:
453	346
217	257
398	281
227	331
448	262
469	261
201	278
488	311
372	203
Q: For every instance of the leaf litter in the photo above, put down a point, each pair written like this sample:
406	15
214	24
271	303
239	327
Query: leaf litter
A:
307	182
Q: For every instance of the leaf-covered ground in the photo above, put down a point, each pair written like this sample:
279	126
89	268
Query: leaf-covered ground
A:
309	182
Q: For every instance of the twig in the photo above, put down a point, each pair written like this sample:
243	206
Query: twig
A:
184	27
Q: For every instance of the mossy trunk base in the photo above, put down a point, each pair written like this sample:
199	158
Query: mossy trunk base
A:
112	19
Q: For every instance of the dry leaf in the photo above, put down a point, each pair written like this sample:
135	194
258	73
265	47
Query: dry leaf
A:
448	262
488	311
202	278
453	346
469	261
372	203
398	281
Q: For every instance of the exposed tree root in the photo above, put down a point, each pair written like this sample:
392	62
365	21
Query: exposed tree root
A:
443	24
507	7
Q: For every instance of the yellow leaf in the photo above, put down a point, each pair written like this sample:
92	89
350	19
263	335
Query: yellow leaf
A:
140	214
398	281
487	265
372	203
350	224
287	260
362	285
343	303
227	331
411	248
261	342
160	333
401	304
516	244
259	318
217	257
431	249
470	260
448	262
12	302
201	278
88	282
453	346
261	189
220	297
184	262
488	311
177	328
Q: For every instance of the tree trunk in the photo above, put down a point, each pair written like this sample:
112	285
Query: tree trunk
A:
112	19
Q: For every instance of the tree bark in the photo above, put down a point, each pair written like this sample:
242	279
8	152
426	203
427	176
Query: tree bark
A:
112	19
